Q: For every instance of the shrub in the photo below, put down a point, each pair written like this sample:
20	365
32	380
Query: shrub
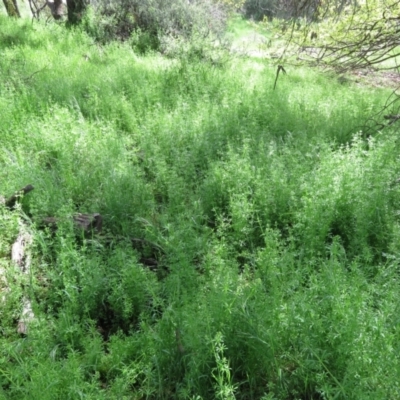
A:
259	9
176	18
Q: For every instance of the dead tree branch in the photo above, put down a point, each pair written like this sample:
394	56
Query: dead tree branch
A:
280	68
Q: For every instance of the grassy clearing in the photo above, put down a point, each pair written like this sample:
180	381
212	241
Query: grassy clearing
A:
253	39
273	219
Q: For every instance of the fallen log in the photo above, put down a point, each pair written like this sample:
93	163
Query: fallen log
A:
20	254
21	257
85	222
27	316
12	200
88	222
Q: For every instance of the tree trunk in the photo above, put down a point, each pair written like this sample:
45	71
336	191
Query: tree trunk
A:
12	8
56	8
76	8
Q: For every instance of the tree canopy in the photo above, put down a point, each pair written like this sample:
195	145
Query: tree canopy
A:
348	35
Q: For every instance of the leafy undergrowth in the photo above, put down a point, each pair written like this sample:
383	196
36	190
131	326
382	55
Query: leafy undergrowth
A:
272	218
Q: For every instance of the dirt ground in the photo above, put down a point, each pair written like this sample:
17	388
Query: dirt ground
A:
383	79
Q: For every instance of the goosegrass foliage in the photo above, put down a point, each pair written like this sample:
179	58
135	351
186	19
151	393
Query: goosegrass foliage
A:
274	220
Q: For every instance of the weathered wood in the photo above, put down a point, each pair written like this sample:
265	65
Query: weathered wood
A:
85	222
149	262
27	316
88	222
18	251
12	200
21	257
20	254
49	222
4	288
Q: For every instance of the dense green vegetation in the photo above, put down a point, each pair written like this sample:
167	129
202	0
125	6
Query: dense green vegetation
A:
273	218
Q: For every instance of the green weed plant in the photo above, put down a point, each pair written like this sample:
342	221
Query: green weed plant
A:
272	217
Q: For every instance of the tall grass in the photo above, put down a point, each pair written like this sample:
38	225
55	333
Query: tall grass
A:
274	223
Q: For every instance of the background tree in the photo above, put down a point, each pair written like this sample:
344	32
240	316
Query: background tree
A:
366	36
156	19
351	35
56	8
285	9
12	8
75	9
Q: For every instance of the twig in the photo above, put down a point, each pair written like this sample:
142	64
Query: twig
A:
280	68
33	74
